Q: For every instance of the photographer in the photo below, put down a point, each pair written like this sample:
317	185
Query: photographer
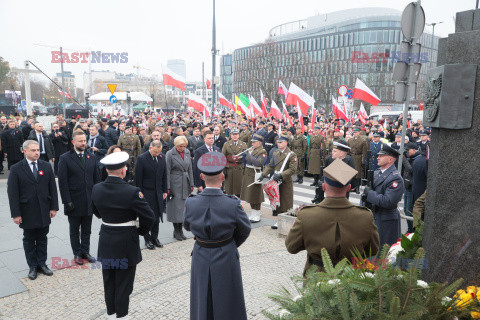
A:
60	144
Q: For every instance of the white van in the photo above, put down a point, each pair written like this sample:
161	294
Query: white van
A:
416	115
393	115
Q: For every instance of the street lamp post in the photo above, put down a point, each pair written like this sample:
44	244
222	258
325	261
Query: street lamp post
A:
433	24
214	53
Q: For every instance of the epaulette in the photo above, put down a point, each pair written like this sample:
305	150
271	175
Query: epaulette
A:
192	195
304	206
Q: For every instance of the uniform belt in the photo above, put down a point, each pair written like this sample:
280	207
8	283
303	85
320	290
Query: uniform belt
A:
132	223
315	148
357	154
252	167
268	144
213	244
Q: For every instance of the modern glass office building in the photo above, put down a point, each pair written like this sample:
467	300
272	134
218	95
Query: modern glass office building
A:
226	76
325	51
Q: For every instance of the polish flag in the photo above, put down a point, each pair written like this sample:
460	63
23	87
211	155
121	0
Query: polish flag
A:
209	84
313	118
197	103
264	104
282	89
287	116
66	94
256	108
362	92
170	78
300	118
275	111
362	114
224	102
297	95
339	114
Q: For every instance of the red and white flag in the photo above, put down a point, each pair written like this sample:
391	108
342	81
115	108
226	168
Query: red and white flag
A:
362	114
170	78
287	116
300	118
197	103
256	108
66	94
209	84
338	112
263	101
224	102
275	111
297	95
362	92
282	89
313	119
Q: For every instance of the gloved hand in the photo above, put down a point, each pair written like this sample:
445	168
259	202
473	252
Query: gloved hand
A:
69	207
366	190
277	177
260	179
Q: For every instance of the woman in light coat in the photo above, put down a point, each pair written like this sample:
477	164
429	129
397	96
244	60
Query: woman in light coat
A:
179	183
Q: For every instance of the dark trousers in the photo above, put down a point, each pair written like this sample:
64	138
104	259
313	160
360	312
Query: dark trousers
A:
118	285
55	165
44	157
35	246
80	230
2	156
153	234
408	207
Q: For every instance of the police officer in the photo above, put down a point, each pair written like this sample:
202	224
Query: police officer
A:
299	146
220	226
119	205
375	146
254	160
130	143
317	151
234	168
385	194
270	137
283	164
336	224
424	143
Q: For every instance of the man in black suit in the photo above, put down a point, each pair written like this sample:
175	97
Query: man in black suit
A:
77	173
219	140
96	143
32	194
151	178
195	141
12	140
119	204
112	134
207	147
47	152
155	136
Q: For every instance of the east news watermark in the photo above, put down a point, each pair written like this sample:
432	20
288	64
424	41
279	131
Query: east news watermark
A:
96	57
63	263
383	57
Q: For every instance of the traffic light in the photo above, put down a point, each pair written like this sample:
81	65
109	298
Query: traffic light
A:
87	98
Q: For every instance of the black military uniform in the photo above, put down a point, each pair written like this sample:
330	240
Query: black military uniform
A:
119	204
270	138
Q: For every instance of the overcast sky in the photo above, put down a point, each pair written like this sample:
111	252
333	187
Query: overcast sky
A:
154	31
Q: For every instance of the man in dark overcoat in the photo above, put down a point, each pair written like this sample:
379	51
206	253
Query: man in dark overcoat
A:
12	139
220	226
207	147
151	178
33	198
77	174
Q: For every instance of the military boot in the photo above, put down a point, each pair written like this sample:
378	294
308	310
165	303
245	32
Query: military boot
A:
300	179
297	180
319	196
315	180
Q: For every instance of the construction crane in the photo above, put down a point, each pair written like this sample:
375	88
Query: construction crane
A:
138	68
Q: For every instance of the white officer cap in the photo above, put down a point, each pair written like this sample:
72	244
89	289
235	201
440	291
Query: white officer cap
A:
115	160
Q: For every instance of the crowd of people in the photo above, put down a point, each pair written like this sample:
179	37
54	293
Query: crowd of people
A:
163	157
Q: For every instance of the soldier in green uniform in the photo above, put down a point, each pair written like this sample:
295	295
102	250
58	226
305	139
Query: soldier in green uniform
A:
254	161
299	146
234	168
358	151
335	224
317	151
246	135
284	165
130	143
336	137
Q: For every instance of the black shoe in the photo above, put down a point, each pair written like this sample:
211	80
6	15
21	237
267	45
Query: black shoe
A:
314	183
275	226
274	213
2	172
149	245
78	260
157	243
180	231
45	270
32	274
176	232
297	180
88	257
300	180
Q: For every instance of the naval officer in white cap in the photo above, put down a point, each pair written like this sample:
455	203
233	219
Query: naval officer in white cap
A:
119	205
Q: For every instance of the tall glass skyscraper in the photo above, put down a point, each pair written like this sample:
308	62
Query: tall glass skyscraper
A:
325	51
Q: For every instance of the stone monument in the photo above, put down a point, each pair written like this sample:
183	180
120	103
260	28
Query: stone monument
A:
452	209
